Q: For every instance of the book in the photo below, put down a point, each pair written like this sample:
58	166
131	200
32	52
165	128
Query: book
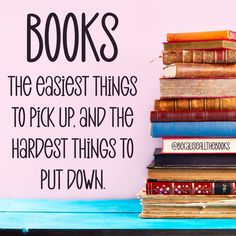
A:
187	206
185	211
195	104
198	56
180	199
167	116
198	145
192	160
211	44
200	70
197	88
189	188
185	173
208	35
193	129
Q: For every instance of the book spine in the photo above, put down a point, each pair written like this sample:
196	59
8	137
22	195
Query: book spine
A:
190	188
198	56
206	104
167	116
198	70
194	36
196	160
193	129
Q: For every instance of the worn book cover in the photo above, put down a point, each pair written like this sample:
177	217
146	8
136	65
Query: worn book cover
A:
199	70
155	187
197	88
206	35
195	104
211	44
167	116
199	56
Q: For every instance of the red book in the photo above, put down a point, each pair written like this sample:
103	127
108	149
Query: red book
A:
162	116
155	187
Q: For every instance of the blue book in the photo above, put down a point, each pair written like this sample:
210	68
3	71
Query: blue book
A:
193	129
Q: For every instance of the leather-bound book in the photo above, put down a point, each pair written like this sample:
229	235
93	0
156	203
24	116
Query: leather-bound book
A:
167	116
155	187
194	159
199	70
197	88
198	56
179	174
212	44
202	104
208	35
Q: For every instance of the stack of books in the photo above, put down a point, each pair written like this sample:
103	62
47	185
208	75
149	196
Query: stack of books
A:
194	174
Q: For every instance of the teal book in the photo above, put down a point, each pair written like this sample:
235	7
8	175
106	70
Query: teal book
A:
193	129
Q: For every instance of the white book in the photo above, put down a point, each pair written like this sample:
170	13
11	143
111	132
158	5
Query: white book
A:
198	145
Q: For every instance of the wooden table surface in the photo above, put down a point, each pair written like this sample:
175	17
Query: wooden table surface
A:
105	214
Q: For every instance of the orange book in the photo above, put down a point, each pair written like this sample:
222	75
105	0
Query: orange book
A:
195	36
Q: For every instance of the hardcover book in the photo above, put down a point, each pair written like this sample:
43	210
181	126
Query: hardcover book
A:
200	70
167	116
208	35
187	206
193	129
189	188
192	159
197	88
212	44
192	174
195	104
198	56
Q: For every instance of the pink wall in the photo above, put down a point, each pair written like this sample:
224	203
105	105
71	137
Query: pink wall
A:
142	27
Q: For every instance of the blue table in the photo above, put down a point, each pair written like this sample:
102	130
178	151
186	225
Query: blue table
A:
27	215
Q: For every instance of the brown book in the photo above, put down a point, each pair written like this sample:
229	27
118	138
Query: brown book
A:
166	116
203	104
185	211
188	211
162	199
211	44
197	88
199	70
187	206
207	35
198	56
209	173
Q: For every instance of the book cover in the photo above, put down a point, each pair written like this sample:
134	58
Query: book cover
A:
192	160
189	188
187	206
198	56
197	88
199	70
167	116
195	104
192	174
207	35
193	129
211	44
